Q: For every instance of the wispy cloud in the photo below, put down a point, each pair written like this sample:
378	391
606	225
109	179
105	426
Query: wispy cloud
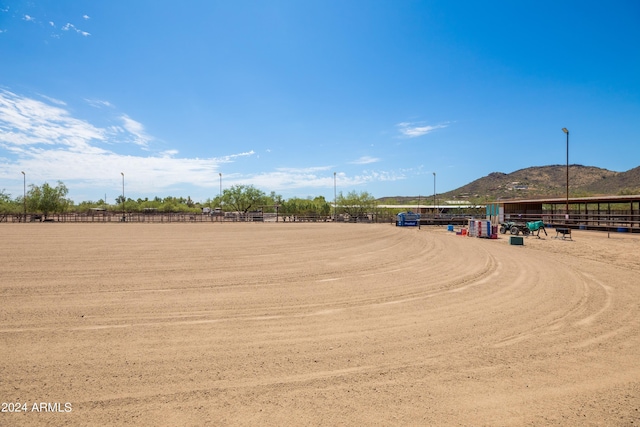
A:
413	130
137	130
51	24
53	100
316	177
98	103
231	157
169	153
376	176
50	144
40	135
68	26
26	122
305	171
365	160
291	178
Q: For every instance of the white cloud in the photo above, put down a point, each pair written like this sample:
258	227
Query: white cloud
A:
49	144
41	137
169	153
230	157
413	130
290	179
372	176
308	170
137	130
316	177
98	103
53	100
28	18
68	26
86	17
26	122
365	160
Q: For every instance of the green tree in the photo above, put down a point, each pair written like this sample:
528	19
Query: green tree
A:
629	191
8	206
242	198
270	201
151	204
323	207
48	199
317	207
356	204
87	205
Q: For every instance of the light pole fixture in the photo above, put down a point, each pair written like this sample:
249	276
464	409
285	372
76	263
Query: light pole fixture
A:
123	212
566	212
24	194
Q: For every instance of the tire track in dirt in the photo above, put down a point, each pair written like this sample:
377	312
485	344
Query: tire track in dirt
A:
440	281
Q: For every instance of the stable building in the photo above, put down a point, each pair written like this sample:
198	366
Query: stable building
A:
608	213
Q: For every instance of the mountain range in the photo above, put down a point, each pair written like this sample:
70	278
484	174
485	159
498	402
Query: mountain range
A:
536	182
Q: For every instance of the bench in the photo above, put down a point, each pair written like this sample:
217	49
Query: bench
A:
564	232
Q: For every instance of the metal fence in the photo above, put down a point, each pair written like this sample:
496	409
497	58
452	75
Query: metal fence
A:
624	221
610	221
156	217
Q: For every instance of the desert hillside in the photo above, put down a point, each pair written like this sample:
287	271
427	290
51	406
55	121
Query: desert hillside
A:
540	181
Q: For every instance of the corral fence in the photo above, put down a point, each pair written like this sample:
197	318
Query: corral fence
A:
177	217
621	221
610	221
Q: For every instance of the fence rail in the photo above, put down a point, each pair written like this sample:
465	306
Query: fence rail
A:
137	217
623	221
611	221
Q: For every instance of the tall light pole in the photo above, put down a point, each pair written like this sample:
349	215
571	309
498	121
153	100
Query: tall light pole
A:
566	212
434	195
24	194
335	218
123	212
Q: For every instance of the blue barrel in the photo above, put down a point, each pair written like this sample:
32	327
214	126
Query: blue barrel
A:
449	227
622	229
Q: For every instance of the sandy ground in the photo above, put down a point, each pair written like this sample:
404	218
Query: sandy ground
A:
316	324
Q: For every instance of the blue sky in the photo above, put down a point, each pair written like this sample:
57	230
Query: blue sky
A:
282	94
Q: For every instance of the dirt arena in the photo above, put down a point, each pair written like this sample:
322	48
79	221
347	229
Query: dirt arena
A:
316	324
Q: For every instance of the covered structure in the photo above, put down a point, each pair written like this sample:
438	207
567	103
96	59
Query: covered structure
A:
611	213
